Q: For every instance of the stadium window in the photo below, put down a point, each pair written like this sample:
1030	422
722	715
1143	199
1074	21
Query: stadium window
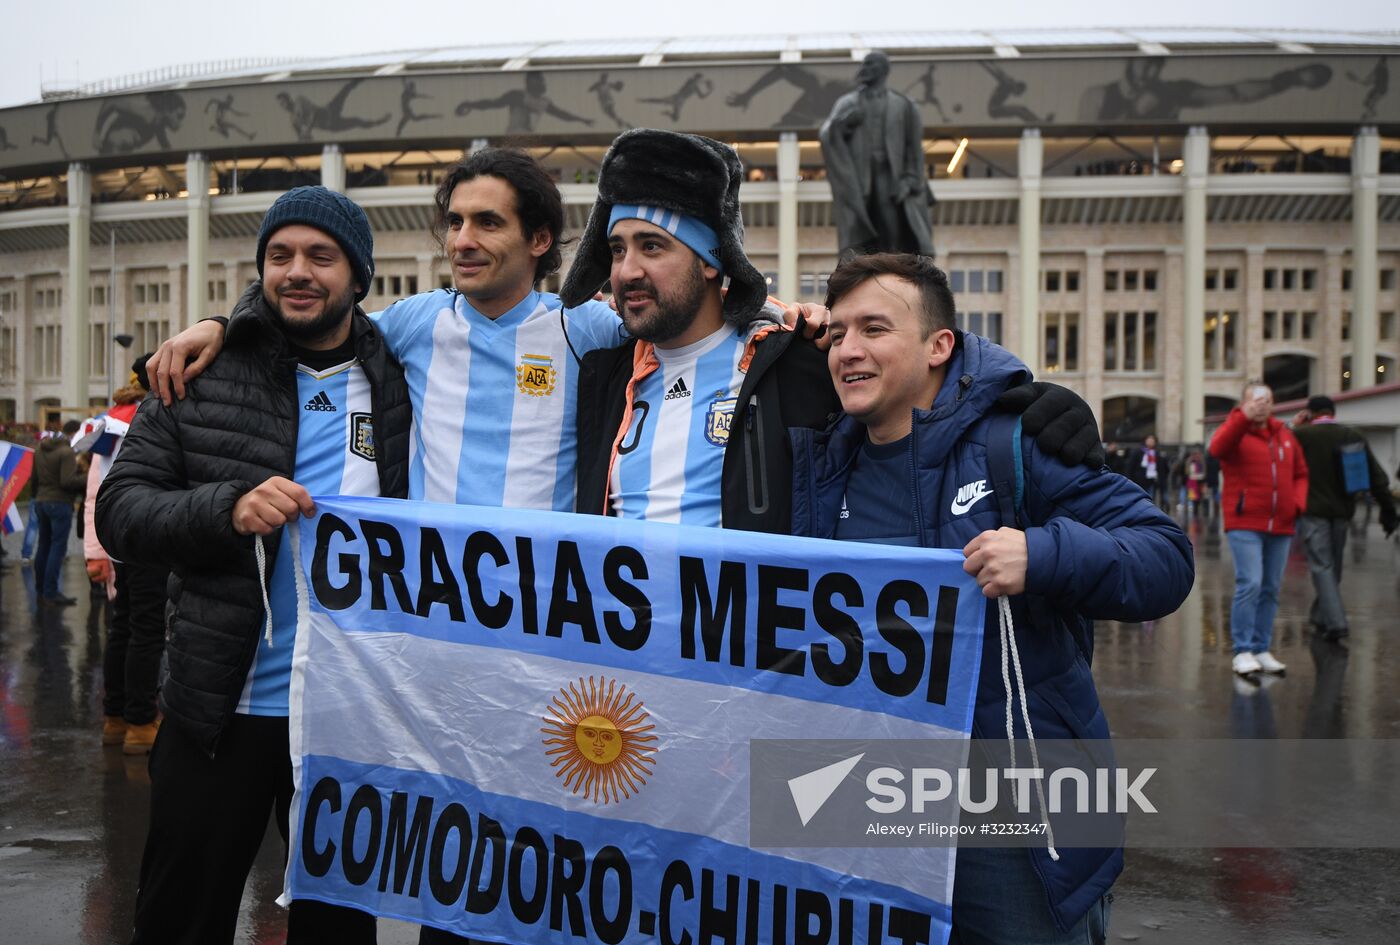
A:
165	292
412	285
807	284
1110	280
994	283
444	282
1290	280
1290	325
1110	341
1052	280
974	280
1270	278
1130	280
1229	279
993	326
1309	280
1387	326
140	288
378	285
1148	361
97	349
1061	341
396	286
1309	325
956	280
1387	280
1270	325
1346	280
1346	326
1149	280
1130	341
1212	278
971	322
1220	340
1072	280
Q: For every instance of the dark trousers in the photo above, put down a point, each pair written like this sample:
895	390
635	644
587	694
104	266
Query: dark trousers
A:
55	522
1325	542
208	816
135	639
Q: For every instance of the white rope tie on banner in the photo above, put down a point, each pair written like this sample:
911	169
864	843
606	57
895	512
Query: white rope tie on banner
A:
261	554
1011	665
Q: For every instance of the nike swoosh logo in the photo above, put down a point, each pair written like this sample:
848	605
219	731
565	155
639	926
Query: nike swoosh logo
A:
961	508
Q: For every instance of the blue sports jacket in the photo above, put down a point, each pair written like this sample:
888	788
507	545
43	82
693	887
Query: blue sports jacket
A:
1097	548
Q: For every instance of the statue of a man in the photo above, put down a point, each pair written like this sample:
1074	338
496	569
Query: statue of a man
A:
873	147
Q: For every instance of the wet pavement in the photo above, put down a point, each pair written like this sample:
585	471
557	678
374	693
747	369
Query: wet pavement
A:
73	814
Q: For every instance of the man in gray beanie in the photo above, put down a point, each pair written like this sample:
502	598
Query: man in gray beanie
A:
304	400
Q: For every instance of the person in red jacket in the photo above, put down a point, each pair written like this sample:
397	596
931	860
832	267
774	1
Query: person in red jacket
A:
1266	488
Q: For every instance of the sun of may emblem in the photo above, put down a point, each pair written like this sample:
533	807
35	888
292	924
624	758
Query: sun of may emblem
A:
596	737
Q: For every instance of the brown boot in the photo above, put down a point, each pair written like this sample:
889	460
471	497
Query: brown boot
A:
113	729
140	738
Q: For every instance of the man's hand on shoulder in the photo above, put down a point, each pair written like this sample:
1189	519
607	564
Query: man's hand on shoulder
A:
1060	420
997	559
810	317
271	505
181	359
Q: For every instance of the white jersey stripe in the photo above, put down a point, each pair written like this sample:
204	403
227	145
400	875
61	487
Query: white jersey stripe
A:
445	406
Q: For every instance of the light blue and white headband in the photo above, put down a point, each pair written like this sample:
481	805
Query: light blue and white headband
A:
688	229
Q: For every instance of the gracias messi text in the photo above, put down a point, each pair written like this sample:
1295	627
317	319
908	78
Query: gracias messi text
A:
893	639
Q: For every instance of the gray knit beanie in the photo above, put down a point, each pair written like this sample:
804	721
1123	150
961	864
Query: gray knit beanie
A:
332	213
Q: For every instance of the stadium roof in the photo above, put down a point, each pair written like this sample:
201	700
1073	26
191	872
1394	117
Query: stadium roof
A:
1009	43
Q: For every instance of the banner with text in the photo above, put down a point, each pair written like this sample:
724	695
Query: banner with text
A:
534	727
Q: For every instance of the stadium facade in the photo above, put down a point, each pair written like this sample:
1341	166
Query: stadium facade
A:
1150	216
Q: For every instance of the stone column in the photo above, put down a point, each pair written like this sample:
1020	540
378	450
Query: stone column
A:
24	330
197	268
789	166
1196	156
427	272
333	167
1011	317
1251	341
1173	343
1092	327
75	366
1030	157
1365	206
1329	326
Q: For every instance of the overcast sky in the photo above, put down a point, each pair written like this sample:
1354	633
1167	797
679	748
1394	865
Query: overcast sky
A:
77	41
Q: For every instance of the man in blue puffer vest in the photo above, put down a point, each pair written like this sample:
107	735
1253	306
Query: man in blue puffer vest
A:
910	462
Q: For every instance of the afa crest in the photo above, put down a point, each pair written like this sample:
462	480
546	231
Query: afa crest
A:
535	375
717	420
362	435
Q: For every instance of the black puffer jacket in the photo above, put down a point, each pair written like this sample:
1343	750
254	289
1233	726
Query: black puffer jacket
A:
169	499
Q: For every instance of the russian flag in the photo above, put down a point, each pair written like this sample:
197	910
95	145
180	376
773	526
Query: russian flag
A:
16	463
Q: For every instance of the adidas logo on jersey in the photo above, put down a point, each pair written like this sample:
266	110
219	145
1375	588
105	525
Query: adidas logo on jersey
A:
678	390
320	402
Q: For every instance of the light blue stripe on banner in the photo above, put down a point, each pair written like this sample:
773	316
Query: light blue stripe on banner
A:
431	849
797	594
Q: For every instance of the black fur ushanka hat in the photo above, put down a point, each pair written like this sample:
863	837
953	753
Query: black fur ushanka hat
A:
687	173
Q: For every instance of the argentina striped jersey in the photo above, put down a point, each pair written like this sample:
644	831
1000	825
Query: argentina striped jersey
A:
669	463
335	456
494	400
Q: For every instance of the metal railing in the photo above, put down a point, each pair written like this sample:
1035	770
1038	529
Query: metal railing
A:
52	91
